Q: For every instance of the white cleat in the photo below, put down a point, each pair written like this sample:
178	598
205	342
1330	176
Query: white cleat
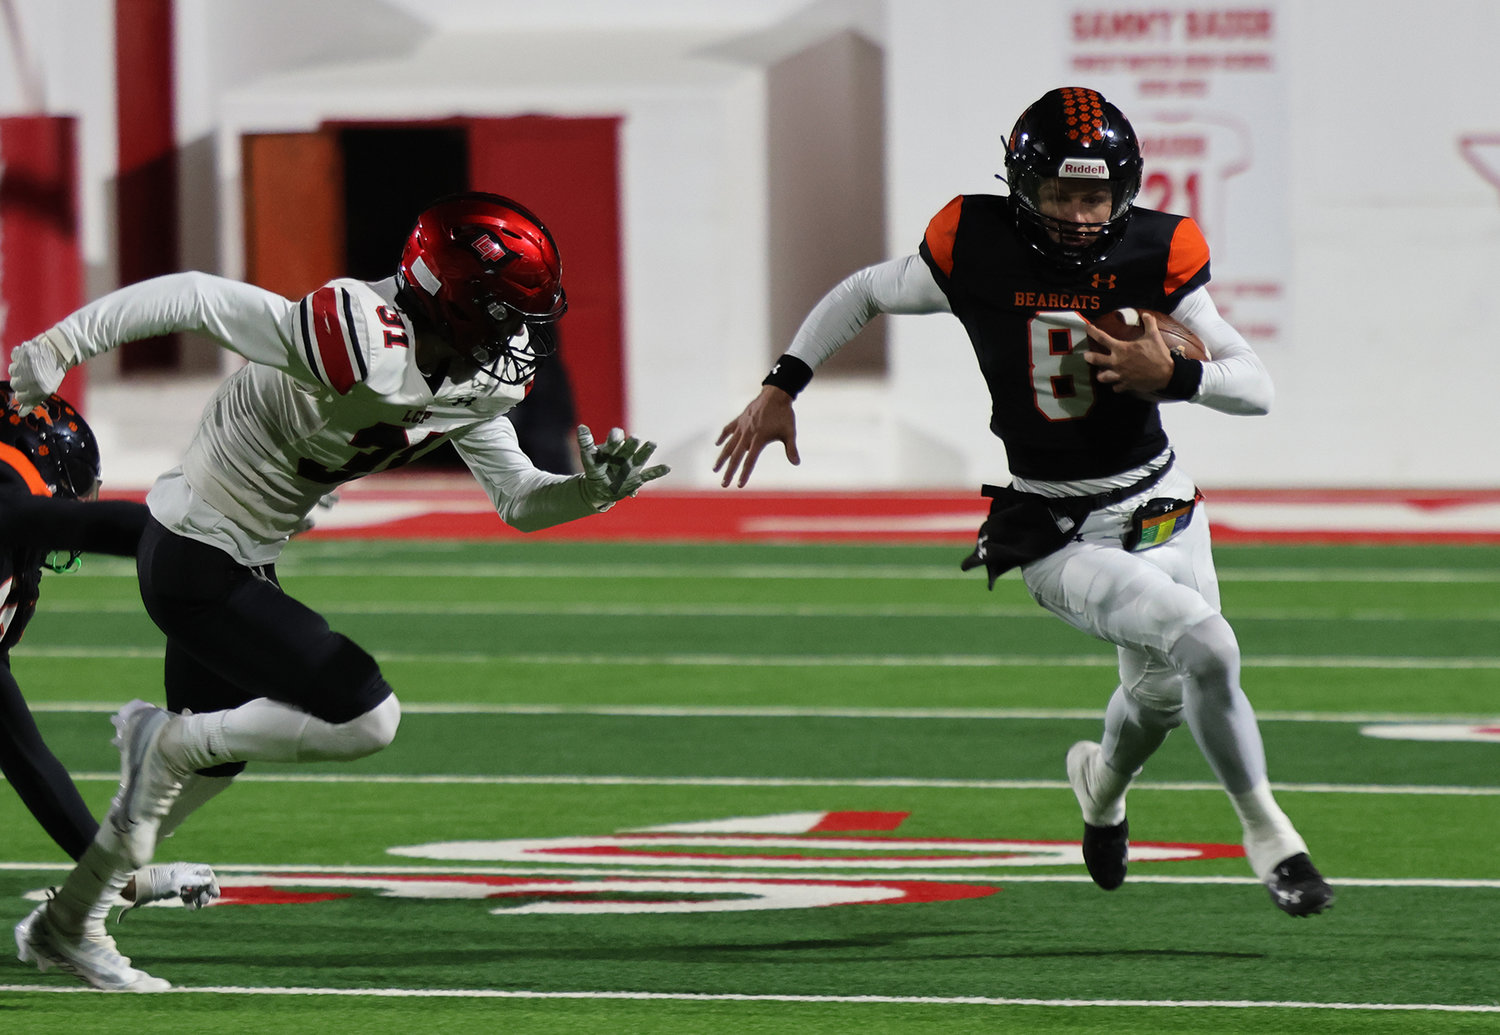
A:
90	957
148	785
194	884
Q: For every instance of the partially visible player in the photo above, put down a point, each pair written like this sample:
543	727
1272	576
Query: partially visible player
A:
356	377
1107	529
49	481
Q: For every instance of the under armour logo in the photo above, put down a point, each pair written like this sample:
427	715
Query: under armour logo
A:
1105	281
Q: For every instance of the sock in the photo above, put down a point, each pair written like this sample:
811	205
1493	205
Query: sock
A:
264	730
1108	786
196	792
84	900
1270	837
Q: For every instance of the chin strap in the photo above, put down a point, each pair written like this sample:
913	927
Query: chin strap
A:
64	567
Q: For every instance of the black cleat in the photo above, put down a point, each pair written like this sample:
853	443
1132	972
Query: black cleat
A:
1106	851
1297	887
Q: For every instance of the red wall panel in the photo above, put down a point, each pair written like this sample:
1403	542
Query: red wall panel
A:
566	170
41	274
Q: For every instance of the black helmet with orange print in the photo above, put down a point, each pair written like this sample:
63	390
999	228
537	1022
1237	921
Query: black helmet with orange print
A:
1072	132
50	446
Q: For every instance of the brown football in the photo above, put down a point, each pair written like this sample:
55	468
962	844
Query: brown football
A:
1126	325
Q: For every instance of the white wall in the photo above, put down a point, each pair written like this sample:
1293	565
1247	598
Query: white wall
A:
1383	377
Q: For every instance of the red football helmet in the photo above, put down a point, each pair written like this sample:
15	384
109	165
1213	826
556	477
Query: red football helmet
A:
479	267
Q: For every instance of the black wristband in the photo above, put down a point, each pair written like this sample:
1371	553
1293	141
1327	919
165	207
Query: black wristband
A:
789	374
1187	374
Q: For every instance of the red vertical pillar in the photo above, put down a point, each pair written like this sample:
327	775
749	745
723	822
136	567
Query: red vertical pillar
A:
566	170
41	272
146	191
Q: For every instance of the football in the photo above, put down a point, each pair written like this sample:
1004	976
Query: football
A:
1126	324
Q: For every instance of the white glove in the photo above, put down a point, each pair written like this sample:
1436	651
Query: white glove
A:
37	368
615	469
194	883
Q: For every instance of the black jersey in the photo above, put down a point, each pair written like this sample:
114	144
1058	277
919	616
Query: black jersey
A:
33	525
1026	320
20	581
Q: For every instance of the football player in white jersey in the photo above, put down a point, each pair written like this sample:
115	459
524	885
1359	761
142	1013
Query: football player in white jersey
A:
356	378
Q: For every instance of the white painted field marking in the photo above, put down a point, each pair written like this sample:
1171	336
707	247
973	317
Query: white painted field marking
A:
978	608
731	711
1441	883
1101	660
1488	733
773	781
361	565
728	997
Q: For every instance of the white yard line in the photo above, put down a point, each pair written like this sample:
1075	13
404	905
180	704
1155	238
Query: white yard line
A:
978	609
729	997
364	566
823	712
828	660
419	779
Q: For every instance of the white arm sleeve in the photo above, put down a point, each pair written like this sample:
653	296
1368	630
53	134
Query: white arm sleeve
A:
1234	379
526	497
241	317
903	285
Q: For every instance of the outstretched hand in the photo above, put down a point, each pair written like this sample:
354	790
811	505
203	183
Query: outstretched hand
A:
615	468
768	418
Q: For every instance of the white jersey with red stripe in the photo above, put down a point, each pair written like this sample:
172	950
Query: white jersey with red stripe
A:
332	393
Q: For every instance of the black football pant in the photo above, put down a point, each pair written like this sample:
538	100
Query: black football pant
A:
233	636
38	777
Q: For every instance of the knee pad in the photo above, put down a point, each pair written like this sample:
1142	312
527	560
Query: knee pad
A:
1208	653
377	727
1157	703
360	736
1150	681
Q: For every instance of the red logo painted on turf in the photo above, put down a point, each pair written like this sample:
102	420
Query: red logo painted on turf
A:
799	860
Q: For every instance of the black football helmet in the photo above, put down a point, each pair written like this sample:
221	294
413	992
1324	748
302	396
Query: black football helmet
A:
478	268
50	445
1072	132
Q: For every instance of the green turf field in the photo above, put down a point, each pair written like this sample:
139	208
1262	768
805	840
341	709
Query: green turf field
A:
679	788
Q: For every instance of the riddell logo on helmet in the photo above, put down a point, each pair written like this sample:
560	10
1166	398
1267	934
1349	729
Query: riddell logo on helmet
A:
1093	168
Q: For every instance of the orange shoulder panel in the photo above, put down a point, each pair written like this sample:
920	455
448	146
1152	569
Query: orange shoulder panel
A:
940	234
1188	254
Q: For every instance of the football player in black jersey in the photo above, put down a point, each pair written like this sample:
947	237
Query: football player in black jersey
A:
49	478
1108	531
